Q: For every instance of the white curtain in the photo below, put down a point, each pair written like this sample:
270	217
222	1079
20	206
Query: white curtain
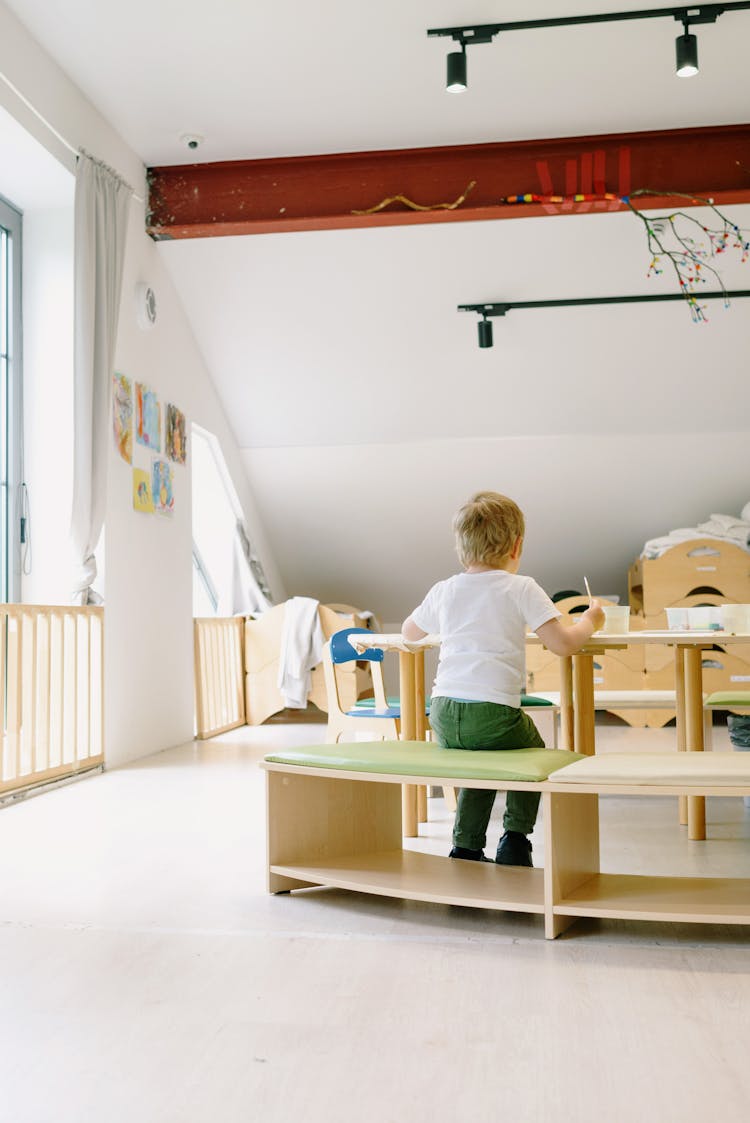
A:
249	592
101	219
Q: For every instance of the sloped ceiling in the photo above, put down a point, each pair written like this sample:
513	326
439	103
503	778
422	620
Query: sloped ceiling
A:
363	406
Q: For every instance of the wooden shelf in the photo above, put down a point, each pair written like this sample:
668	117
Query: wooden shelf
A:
703	900
427	877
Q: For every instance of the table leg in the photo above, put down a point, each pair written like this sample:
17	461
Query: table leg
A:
421	734
583	704
694	734
679	686
407	692
566	702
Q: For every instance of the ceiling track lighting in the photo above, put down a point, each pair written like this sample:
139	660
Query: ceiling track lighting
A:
686	45
502	308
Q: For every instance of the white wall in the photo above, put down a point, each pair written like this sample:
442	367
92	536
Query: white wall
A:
148	639
590	503
367	413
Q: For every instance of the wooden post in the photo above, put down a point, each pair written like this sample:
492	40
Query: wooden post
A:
567	728
406	668
583	693
421	720
694	734
679	685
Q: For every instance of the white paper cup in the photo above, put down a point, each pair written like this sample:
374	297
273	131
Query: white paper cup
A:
677	619
616	619
699	618
735	618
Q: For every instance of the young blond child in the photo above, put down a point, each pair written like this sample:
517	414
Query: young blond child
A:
482	616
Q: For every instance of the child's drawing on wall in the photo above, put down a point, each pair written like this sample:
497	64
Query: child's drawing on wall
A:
142	498
147	417
175	445
161	486
122	416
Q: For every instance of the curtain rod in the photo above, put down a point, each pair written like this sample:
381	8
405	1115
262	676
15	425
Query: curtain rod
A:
48	125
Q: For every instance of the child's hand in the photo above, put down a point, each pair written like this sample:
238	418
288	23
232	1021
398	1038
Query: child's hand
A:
595	614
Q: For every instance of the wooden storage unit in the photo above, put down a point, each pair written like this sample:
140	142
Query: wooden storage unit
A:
702	571
705	565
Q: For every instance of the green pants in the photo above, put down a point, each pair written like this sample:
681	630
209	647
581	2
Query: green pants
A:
486	725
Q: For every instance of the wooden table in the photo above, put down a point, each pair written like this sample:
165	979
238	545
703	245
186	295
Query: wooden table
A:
412	703
577	695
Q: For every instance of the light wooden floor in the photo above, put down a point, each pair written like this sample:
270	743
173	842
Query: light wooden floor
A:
148	978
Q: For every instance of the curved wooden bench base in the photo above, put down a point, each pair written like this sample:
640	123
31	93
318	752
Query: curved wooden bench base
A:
338	828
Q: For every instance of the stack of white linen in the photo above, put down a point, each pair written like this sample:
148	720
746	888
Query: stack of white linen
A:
725	528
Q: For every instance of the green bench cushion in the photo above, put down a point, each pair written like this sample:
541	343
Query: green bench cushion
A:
729	698
421	758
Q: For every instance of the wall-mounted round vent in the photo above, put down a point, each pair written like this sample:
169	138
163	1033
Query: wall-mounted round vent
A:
145	301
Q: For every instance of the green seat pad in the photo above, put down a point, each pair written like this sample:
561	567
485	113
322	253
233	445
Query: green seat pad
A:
729	698
421	758
368	703
535	700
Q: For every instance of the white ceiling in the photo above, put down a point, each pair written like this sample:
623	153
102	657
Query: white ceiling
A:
289	77
338	354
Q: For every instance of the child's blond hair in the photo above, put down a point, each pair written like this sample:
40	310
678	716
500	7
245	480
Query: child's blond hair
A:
487	528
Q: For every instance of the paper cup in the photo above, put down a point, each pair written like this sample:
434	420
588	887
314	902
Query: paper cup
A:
616	619
677	619
735	618
699	618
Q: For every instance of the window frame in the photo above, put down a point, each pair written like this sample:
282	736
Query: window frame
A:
11	408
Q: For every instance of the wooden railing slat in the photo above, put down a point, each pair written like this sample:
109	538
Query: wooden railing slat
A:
218	674
51	692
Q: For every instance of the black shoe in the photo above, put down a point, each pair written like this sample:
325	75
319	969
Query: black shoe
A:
514	849
469	855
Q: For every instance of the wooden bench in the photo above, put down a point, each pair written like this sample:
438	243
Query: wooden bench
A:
616	700
334	818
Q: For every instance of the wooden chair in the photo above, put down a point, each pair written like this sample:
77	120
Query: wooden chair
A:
381	721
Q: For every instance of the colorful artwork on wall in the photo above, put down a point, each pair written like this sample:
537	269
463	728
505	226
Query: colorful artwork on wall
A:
175	439
147	418
122	416
161	486
142	496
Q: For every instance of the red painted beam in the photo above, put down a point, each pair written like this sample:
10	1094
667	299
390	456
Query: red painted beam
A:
322	192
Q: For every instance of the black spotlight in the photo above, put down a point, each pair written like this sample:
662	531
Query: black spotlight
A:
687	55
485	333
456	81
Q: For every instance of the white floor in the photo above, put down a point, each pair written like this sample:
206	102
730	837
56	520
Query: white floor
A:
148	977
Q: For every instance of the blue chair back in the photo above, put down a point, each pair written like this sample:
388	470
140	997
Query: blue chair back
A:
343	652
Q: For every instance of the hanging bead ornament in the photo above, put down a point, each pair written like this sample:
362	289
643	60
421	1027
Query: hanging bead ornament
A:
691	258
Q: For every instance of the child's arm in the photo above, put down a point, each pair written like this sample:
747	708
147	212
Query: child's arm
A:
563	640
411	631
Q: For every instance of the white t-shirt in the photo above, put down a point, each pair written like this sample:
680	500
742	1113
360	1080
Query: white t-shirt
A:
482	619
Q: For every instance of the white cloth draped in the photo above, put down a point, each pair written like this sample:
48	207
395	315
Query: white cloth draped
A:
302	642
101	218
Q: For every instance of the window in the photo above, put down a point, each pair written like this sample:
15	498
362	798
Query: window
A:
10	403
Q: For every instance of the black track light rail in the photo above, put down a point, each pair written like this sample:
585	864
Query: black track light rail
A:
486	32
500	308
